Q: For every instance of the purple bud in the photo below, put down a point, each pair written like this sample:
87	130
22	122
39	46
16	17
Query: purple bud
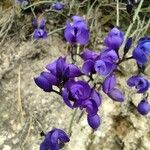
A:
88	67
43	83
127	45
143	107
109	84
116	95
58	6
42	23
114	39
94	121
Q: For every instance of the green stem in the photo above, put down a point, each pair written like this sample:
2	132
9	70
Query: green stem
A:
34	4
81	115
134	19
59	29
71	122
117	9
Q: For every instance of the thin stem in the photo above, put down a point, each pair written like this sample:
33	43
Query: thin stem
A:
124	59
90	78
59	29
81	115
56	92
32	9
71	122
134	19
117	9
34	4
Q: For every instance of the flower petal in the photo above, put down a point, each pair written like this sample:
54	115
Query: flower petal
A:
65	95
50	77
88	54
69	33
109	84
83	36
139	56
104	68
43	83
96	97
88	67
74	71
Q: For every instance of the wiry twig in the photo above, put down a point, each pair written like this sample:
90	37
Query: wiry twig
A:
19	95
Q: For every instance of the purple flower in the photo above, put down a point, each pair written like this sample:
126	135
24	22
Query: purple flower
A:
77	31
58	6
140	83
114	39
103	63
106	62
54	140
62	70
57	73
39	32
89	57
104	67
143	107
94	121
76	92
142	51
109	88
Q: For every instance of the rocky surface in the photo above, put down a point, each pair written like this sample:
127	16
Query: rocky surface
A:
25	110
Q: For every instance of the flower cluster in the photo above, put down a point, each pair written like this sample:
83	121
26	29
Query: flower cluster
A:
79	93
